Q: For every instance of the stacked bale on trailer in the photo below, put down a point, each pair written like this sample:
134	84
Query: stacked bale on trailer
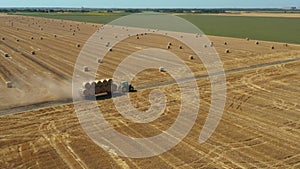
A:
97	87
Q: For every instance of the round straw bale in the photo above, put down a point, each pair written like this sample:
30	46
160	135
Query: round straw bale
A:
192	57
211	44
6	55
92	92
99	83
110	49
78	45
257	43
227	51
272	47
104	82
162	69
85	68
97	90
85	92
9	84
33	52
180	47
93	85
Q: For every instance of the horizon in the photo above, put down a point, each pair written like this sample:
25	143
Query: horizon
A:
188	4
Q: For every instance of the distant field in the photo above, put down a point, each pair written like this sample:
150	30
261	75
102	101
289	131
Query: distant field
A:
261	28
277	29
102	18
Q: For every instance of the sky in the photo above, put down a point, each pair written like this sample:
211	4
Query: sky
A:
153	3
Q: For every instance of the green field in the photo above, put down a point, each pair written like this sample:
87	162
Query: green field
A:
260	28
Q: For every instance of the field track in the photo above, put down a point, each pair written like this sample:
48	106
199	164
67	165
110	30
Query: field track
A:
259	128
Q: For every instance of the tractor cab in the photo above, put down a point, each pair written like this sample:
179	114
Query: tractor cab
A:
125	87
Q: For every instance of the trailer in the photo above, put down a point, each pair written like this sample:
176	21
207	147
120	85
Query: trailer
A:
104	87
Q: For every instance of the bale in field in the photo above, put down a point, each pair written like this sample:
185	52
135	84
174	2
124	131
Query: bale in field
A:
55	36
257	43
99	60
180	47
272	47
162	69
205	46
85	68
137	37
41	38
168	47
6	55
32	38
211	44
225	43
42	29
110	49
227	51
73	34
3	38
33	52
78	45
192	57
286	45
18	40
9	84
170	44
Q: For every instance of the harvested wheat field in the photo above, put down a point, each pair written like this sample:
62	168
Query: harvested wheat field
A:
260	127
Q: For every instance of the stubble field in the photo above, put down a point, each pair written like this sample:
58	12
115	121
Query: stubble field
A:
259	127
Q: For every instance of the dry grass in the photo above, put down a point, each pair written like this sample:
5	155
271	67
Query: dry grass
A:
259	128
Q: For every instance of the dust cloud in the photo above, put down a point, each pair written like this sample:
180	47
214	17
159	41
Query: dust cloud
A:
35	89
